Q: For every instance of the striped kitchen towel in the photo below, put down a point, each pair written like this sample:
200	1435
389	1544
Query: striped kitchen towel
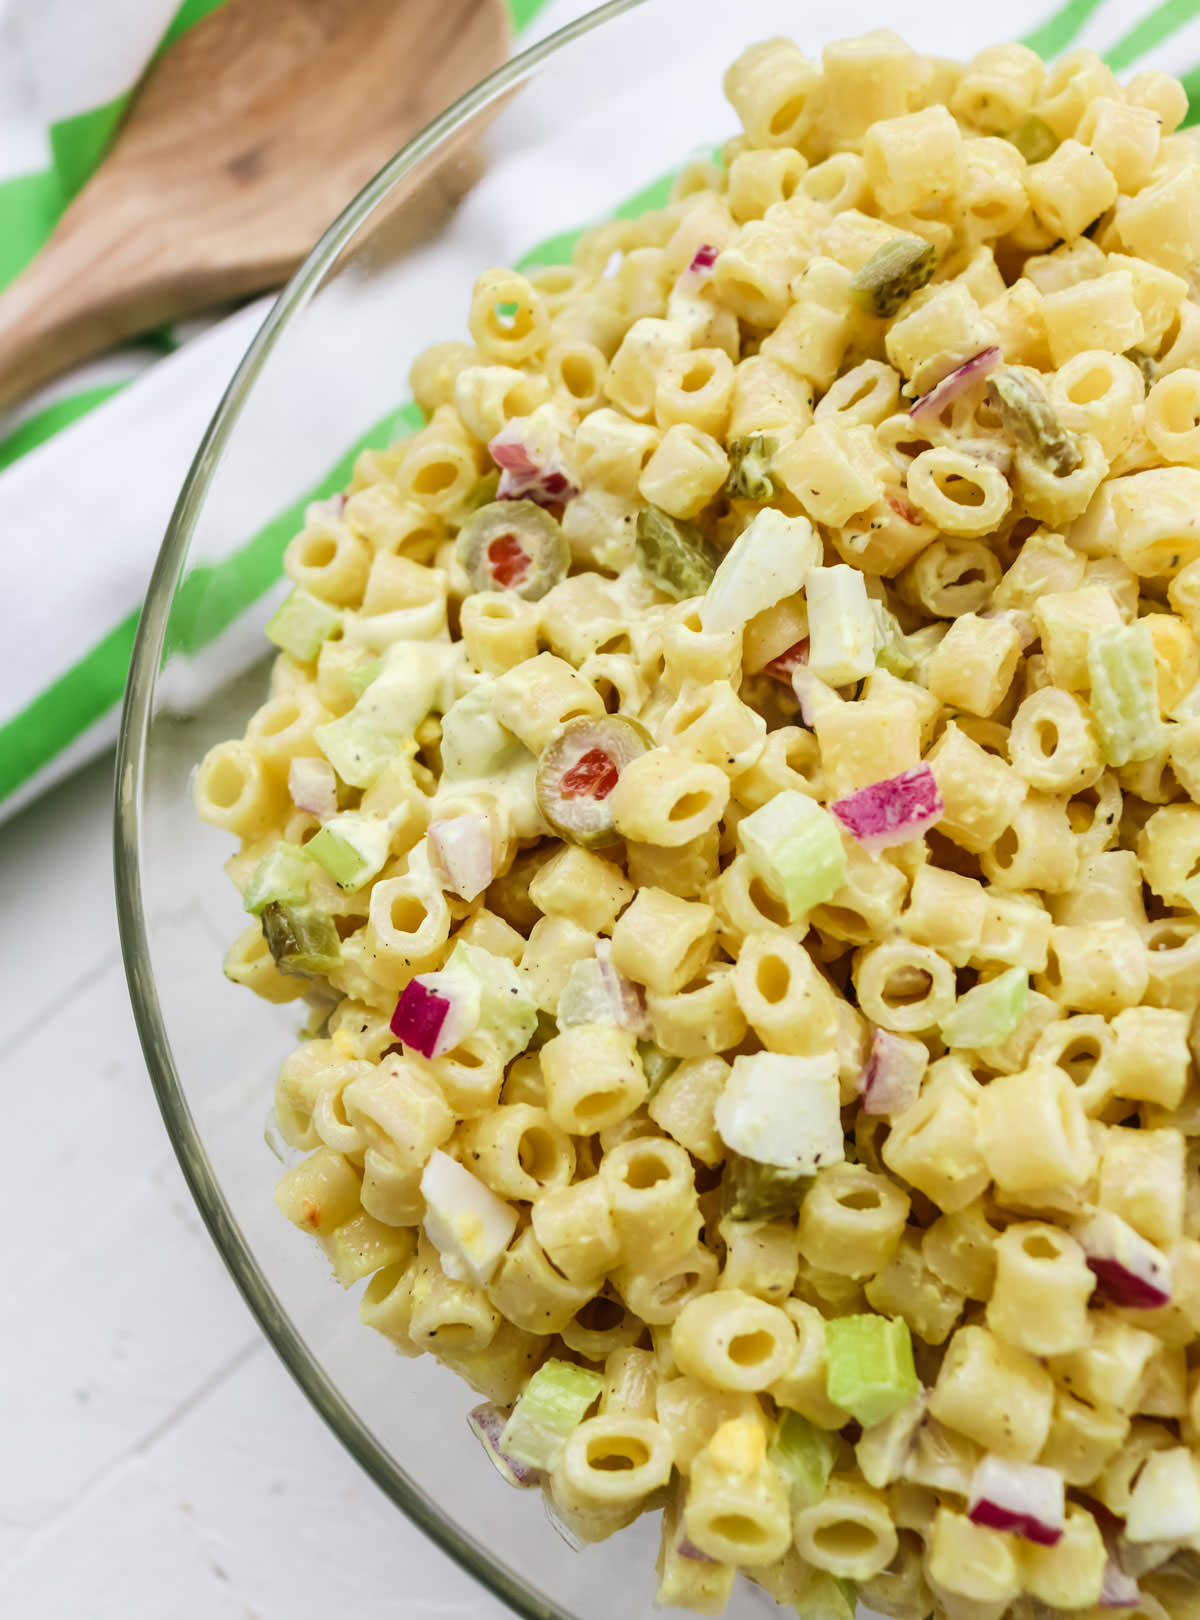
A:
90	468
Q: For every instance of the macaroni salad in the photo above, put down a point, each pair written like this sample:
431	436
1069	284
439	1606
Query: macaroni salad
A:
730	797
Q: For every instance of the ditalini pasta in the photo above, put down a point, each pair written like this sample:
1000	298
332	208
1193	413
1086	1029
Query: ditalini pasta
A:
729	796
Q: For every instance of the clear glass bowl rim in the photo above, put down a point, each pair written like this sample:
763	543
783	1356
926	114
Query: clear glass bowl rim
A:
136	717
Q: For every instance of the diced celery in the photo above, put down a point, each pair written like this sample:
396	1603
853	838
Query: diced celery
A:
891	644
301	623
783	1110
359	679
352	848
869	1366
411	683
827	1597
357	750
555	1401
474	743
987	1014
507	1011
841	626
769	560
302	939
658	1066
805	1455
751	1191
1124	700
796	848
282	875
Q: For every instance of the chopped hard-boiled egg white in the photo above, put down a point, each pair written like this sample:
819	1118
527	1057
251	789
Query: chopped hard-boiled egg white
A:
783	1110
1165	1502
464	1220
841	626
769	560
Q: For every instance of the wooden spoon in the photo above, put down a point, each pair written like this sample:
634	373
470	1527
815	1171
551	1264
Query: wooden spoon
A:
247	138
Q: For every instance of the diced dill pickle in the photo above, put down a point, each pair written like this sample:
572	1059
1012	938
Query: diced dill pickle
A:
893	273
657	1065
760	1192
1146	364
578	770
675	555
750	467
1029	418
302	939
513	546
1034	139
481	493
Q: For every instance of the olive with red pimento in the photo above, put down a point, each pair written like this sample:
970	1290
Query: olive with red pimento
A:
577	771
513	546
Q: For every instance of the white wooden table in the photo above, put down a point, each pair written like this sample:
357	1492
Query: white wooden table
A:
158	1462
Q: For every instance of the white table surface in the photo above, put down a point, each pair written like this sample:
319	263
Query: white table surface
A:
158	1461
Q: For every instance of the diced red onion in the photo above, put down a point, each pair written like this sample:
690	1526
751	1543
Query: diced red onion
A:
597	993
461	854
327	511
995	452
902	507
1128	1270
892	811
783	667
432	1015
531	462
624	997
891	1080
312	785
1118	1591
704	258
1020	621
512	455
487	1424
1020	1497
957	382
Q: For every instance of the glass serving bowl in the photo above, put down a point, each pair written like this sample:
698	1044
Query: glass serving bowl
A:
585	123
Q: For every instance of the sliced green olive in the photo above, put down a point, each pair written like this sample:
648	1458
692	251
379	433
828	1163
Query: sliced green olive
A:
513	546
1034	139
760	1192
893	273
579	769
674	554
1029	418
750	467
302	939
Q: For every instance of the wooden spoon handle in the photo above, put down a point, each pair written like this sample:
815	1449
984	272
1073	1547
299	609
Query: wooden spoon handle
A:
87	290
246	139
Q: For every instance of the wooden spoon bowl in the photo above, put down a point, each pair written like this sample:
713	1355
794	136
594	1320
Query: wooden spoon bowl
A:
247	138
